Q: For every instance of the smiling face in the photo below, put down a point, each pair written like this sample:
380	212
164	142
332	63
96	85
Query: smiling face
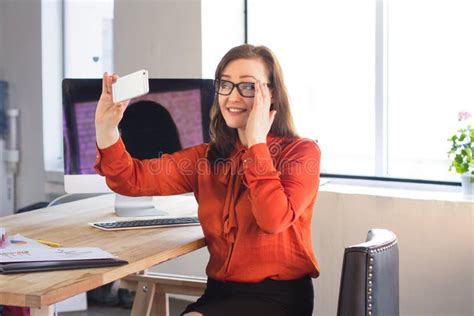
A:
234	107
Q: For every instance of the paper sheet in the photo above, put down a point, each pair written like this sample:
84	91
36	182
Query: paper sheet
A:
23	249
28	254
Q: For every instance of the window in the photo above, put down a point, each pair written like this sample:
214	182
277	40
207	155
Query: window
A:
77	43
378	83
52	74
430	79
88	38
326	50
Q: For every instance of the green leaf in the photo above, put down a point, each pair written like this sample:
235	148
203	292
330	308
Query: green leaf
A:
462	151
468	153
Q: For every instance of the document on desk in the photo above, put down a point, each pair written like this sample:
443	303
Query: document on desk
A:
27	255
15	254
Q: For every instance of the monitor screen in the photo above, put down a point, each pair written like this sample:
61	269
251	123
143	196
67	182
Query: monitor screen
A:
173	115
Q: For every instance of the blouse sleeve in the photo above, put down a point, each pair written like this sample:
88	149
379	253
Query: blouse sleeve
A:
278	198
170	174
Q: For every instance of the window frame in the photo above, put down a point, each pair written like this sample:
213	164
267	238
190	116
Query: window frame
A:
381	106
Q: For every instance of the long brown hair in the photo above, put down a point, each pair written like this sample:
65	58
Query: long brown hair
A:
223	138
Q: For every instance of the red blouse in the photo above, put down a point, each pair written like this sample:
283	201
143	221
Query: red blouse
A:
255	208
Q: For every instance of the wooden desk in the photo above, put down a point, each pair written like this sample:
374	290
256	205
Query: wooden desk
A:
68	224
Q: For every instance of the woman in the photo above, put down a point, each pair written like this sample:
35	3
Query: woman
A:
255	183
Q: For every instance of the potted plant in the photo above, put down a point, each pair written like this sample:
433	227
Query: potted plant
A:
461	152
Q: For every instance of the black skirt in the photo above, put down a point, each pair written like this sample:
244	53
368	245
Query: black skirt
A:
269	297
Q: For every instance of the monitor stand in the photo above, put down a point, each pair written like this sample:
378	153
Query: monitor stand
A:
130	206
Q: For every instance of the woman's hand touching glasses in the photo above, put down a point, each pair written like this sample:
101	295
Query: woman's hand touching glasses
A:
260	118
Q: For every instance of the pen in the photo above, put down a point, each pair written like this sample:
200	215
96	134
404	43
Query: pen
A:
49	243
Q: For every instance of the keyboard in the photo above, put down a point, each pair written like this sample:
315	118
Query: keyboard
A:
147	223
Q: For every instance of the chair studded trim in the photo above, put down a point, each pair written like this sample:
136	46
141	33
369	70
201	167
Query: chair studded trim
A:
373	251
369	279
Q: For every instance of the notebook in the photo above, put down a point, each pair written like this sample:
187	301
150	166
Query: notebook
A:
38	266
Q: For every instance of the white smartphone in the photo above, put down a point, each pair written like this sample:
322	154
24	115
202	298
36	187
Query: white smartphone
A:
130	86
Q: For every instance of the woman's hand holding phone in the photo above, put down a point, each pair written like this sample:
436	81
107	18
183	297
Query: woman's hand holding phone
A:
108	114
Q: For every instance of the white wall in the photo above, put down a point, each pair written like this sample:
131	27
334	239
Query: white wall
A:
435	243
159	35
20	65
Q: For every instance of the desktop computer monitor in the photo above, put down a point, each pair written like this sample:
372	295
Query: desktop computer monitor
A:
173	115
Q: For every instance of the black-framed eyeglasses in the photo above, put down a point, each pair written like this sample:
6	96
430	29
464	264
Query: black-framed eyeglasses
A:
225	87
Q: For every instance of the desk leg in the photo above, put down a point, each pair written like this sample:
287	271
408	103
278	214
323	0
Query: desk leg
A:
143	299
43	311
160	304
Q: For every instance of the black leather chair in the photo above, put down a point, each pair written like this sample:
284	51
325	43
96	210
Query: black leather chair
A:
369	278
